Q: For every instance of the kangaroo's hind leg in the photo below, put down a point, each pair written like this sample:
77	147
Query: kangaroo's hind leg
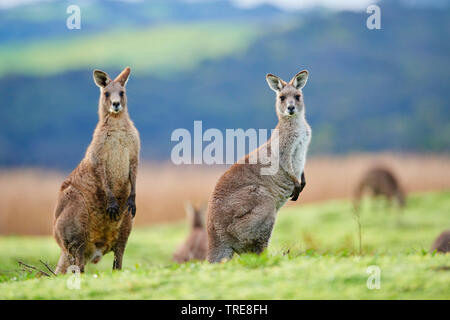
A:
219	245
253	229
71	228
63	263
119	247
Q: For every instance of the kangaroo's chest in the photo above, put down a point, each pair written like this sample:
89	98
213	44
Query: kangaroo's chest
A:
118	149
294	144
301	143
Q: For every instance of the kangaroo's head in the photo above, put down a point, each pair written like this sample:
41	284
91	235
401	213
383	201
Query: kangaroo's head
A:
289	95
113	98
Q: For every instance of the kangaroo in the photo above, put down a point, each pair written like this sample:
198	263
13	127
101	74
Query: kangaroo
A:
380	182
442	242
196	245
96	202
243	206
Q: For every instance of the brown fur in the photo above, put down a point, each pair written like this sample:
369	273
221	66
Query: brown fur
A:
243	206
96	202
442	242
196	245
380	182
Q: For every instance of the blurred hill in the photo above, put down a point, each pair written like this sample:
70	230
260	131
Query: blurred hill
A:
369	90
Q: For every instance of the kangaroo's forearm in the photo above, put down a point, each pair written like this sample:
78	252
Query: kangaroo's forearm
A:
101	173
132	176
303	181
286	163
293	178
132	197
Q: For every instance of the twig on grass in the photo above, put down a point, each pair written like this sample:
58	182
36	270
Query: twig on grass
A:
40	272
357	216
48	267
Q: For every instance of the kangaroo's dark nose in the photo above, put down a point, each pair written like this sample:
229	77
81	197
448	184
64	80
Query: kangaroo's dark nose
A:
291	109
116	103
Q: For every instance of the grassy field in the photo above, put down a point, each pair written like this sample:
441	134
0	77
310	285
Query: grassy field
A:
313	255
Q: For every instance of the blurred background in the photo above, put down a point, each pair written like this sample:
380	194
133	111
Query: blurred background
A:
373	97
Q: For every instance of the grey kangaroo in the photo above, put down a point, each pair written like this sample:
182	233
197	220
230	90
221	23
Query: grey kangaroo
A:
196	244
243	206
442	242
380	182
96	202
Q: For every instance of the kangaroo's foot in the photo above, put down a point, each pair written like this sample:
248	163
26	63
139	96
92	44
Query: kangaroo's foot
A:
217	255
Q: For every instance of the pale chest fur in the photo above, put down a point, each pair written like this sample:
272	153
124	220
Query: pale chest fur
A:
118	150
294	139
301	143
294	142
118	146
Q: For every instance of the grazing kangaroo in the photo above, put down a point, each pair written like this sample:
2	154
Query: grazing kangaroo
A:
196	245
442	242
380	182
244	203
96	202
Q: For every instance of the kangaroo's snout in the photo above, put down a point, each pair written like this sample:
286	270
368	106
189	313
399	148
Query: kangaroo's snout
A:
291	109
115	106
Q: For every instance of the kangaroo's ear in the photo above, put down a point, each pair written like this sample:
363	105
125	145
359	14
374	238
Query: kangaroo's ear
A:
275	83
122	78
299	80
101	78
189	209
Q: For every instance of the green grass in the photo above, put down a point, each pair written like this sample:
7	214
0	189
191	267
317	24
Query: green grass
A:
154	50
313	255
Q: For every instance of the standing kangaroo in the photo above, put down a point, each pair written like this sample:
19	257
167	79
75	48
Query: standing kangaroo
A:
96	202
380	182
196	244
244	203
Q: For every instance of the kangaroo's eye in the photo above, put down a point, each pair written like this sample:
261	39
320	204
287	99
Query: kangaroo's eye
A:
121	93
282	98
106	94
297	97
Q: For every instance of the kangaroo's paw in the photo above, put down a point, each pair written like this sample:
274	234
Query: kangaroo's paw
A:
131	203
113	210
302	186
296	192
